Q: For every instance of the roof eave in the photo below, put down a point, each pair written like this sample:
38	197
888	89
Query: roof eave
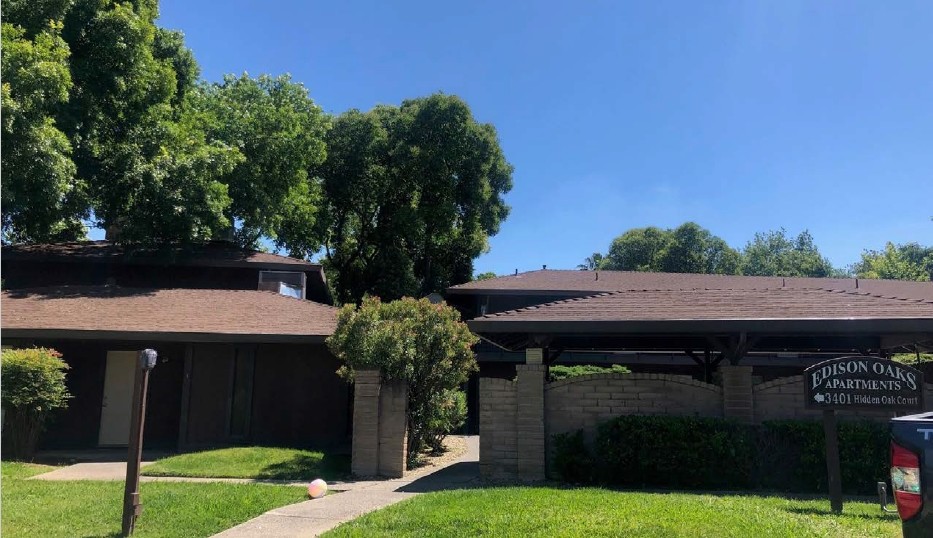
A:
169	336
705	326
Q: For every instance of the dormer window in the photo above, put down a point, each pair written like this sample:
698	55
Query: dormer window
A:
289	283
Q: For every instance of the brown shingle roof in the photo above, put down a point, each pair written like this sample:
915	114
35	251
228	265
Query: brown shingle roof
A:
262	315
729	304
566	281
210	254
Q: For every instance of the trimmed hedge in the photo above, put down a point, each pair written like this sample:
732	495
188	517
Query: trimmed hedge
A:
563	371
707	453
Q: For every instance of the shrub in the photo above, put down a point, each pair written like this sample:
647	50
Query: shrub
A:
793	456
681	452
707	453
558	372
451	413
571	461
424	344
33	385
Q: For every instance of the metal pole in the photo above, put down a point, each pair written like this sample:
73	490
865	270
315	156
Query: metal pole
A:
833	469
131	505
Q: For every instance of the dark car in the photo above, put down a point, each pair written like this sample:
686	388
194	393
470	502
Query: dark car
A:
912	473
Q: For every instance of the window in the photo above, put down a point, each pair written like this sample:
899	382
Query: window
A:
292	284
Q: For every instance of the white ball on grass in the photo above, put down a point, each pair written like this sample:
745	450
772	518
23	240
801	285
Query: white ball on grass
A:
317	489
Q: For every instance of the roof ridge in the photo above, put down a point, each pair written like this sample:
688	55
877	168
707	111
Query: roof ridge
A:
713	275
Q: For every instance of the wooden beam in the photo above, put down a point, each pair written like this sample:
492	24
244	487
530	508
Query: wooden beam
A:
185	397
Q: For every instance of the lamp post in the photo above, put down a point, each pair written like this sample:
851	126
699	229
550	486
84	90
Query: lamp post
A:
146	361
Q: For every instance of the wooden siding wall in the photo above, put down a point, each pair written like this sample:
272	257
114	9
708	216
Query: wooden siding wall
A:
208	408
78	425
298	399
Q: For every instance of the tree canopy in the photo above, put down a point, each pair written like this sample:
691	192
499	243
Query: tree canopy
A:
909	261
592	263
279	131
113	138
411	195
41	196
107	123
105	119
774	254
689	248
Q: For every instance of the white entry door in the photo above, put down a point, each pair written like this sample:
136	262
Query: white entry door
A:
118	395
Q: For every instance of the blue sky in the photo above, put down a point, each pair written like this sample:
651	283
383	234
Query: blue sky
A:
741	116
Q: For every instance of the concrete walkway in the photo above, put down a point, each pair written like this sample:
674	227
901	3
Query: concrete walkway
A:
116	470
313	517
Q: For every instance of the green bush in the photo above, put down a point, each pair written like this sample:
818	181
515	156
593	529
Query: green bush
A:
451	414
707	453
33	383
558	372
423	344
571	460
792	456
679	452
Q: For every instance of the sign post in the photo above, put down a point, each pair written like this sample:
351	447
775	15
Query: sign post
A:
857	383
131	506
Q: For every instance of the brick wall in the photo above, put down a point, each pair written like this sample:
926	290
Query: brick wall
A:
497	417
512	411
586	401
393	429
380	426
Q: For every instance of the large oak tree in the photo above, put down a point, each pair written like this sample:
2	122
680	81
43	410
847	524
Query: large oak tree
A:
412	194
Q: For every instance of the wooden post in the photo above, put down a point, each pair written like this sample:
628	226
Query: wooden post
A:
833	470
131	505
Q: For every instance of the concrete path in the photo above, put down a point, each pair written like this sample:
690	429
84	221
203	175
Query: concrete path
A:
313	517
111	470
116	470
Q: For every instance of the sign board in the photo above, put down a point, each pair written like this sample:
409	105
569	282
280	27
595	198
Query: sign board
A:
866	383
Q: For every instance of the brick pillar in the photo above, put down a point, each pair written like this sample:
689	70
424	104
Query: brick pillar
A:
380	426
737	393
365	456
393	429
530	417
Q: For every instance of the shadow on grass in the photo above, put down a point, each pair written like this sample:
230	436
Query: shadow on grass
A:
880	516
465	475
303	467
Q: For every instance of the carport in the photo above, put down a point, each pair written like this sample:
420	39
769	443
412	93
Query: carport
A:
717	328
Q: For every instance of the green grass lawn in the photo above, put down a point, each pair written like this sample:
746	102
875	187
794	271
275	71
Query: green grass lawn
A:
254	462
592	512
87	509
